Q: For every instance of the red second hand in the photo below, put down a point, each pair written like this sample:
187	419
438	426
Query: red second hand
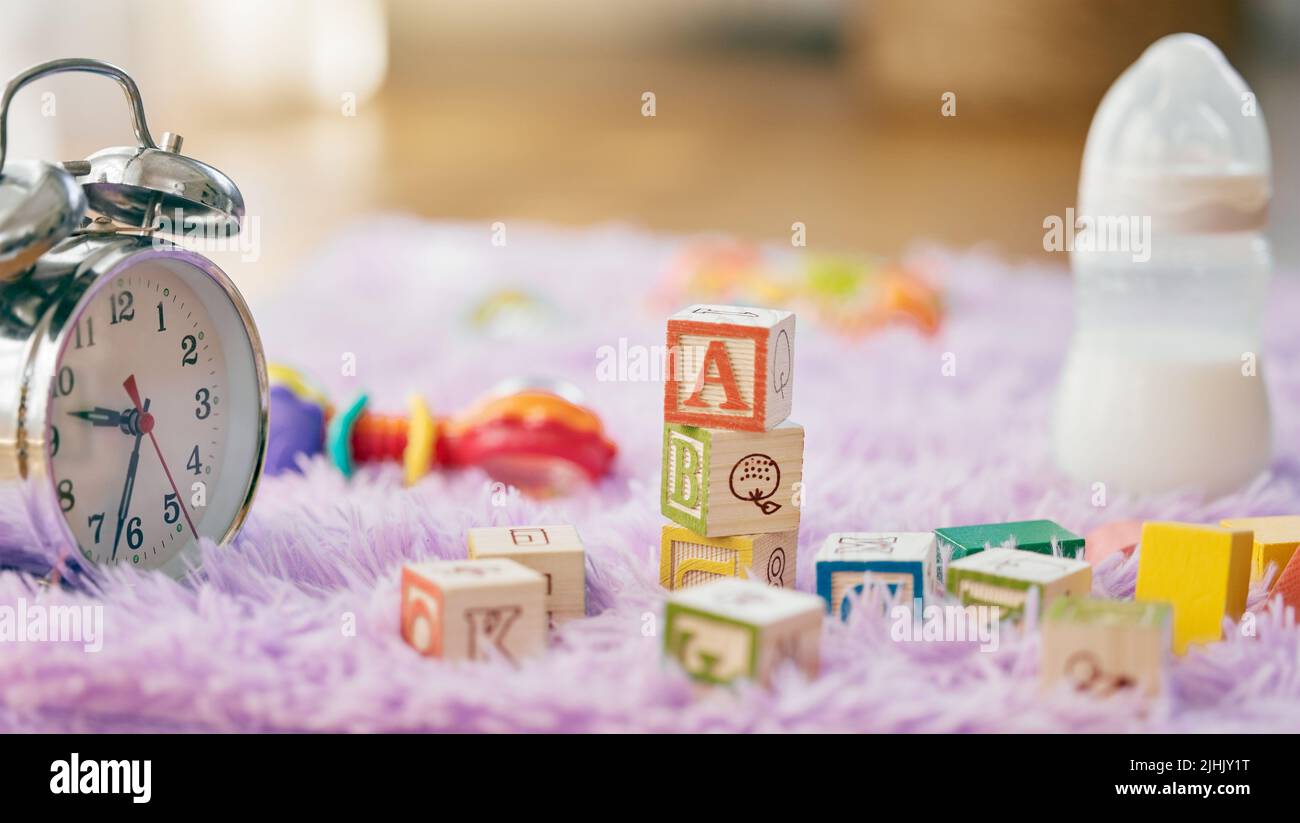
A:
145	423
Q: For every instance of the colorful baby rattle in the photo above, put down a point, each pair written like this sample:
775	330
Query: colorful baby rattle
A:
533	435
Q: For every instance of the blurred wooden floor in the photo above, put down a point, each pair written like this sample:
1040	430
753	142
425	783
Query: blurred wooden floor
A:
744	146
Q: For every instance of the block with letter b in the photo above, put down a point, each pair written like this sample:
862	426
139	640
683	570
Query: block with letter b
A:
1003	578
492	609
689	559
555	552
730	367
718	482
1104	646
903	562
731	629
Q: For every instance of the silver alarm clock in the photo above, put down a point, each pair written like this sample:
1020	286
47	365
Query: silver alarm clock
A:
133	388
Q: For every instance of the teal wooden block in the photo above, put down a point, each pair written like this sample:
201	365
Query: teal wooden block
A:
1026	535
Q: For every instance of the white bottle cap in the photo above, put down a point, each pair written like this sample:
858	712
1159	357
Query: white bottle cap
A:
1179	137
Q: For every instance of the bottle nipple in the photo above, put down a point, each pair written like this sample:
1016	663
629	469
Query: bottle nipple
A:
1179	137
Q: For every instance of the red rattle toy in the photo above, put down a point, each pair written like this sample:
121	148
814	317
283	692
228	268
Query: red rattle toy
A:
532	434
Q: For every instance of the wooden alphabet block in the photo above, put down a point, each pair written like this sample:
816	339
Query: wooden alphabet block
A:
491	609
1026	535
1203	571
1002	578
1104	646
730	629
555	552
1275	541
730	367
689	559
847	561
718	482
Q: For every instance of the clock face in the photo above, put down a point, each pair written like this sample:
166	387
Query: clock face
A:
156	422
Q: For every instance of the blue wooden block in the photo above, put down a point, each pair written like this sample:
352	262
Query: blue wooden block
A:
901	561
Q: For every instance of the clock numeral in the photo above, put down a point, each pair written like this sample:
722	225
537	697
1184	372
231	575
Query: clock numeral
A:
97	521
162	325
195	465
191	348
66	499
171	509
123	306
66	380
203	396
134	536
54	441
90	334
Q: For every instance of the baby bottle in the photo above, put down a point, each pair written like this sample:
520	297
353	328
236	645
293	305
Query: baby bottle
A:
1163	386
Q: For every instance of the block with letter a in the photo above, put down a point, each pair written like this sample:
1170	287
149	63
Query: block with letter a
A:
491	609
730	367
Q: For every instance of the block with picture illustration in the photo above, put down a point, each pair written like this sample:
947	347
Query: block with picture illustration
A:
719	482
730	367
689	559
1099	647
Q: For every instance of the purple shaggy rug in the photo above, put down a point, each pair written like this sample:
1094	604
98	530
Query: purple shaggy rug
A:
263	644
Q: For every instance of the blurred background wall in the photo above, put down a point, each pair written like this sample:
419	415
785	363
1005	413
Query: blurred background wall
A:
767	112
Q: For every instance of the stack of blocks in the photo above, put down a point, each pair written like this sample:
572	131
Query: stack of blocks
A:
732	465
732	473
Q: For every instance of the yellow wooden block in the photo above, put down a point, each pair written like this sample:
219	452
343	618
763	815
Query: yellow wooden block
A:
1202	571
688	559
1276	539
555	552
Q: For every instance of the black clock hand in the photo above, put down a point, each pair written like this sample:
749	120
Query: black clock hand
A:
124	507
99	416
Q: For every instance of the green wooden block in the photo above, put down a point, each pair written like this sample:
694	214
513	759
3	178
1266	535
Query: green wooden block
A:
1026	535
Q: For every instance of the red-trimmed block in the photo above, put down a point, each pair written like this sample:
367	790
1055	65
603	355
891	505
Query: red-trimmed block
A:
730	367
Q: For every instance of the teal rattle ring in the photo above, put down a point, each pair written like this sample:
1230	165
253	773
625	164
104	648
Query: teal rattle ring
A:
338	435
